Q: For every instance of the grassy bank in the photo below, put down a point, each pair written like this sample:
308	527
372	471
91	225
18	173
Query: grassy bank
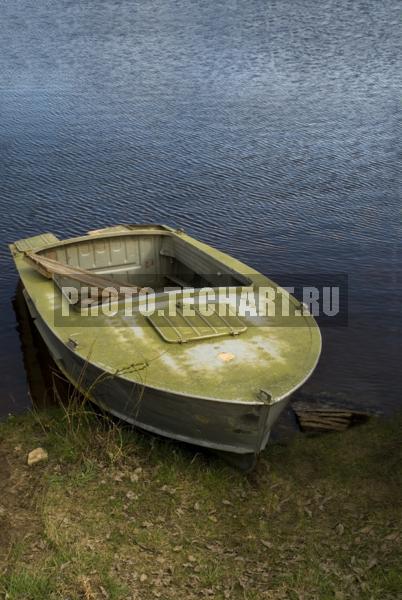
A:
116	514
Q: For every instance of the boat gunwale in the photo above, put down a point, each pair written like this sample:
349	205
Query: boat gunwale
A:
168	232
251	275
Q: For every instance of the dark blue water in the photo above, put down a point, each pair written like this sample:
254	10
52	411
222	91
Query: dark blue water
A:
268	129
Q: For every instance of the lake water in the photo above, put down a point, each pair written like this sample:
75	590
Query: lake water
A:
268	129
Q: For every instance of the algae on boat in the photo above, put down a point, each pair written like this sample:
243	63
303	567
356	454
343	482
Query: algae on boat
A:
211	380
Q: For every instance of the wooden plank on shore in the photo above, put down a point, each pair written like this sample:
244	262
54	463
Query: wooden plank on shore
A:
324	416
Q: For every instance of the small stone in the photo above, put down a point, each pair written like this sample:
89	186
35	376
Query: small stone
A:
147	524
143	577
37	455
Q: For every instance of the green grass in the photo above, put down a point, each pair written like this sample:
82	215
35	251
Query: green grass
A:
23	585
121	515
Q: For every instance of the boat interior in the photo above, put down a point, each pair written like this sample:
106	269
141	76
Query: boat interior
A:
158	260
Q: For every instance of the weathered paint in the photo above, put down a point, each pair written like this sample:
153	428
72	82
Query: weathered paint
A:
190	379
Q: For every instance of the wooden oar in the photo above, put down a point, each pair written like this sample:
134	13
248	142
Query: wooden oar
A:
53	269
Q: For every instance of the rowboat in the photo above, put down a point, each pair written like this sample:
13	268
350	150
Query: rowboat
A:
169	334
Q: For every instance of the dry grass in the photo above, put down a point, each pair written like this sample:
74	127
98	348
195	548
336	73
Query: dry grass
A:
120	515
